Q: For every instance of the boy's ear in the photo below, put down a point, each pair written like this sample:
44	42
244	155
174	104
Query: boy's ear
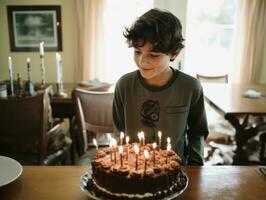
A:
174	55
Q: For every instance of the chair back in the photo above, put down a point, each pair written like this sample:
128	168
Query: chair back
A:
216	79
23	123
93	112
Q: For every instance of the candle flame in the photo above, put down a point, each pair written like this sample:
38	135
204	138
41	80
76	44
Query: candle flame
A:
168	147
120	149
122	135
146	154
127	139
142	134
168	140
28	60
159	134
136	149
139	136
154	145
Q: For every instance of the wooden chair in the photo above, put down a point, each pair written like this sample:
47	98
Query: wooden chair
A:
25	132
93	115
217	78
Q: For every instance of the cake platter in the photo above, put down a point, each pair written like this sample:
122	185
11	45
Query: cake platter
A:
86	178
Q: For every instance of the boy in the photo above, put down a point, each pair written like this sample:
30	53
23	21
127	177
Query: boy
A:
157	97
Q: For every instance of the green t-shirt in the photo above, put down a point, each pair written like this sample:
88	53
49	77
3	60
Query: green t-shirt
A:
176	109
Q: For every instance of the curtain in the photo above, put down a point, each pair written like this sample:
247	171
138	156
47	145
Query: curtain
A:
89	39
249	40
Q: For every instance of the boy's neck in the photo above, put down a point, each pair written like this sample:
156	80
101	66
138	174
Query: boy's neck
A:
162	79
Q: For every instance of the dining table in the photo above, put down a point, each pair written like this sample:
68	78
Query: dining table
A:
205	182
236	104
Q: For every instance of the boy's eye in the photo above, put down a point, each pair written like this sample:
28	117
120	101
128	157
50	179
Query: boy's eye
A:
137	52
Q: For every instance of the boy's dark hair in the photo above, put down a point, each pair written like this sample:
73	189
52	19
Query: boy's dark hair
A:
160	28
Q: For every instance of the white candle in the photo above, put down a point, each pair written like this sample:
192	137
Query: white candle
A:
122	135
95	143
120	150
168	149
28	66
136	149
58	67
139	136
127	139
160	139
146	156
168	140
41	48
143	138
10	68
154	147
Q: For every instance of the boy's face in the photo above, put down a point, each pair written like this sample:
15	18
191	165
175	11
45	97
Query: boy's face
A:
153	66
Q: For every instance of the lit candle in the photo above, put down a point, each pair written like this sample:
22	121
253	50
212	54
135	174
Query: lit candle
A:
122	135
160	139
146	156
139	136
143	138
120	149
154	147
42	64
41	49
127	140
58	67
136	148
10	70
96	145
168	140
28	66
168	149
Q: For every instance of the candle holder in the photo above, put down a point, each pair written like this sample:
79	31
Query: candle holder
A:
60	90
12	93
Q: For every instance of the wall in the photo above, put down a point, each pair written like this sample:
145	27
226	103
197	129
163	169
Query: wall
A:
263	72
19	58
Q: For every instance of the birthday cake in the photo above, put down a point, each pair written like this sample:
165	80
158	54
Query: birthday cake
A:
136	172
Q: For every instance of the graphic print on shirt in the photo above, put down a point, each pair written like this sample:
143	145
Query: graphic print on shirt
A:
150	114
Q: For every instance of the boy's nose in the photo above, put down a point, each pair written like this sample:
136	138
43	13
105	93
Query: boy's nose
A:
144	60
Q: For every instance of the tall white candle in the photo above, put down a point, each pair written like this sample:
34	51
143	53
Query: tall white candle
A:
160	139
58	68
10	68
41	48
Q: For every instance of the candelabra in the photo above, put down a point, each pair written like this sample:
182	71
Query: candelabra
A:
60	90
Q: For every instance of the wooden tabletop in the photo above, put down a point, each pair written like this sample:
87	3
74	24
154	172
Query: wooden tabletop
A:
62	182
229	99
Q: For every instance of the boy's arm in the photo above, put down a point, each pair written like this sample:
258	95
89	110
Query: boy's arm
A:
197	130
118	111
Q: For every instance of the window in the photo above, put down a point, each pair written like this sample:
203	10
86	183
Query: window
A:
209	38
118	14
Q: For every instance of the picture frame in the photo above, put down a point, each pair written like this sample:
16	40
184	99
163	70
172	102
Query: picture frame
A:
30	25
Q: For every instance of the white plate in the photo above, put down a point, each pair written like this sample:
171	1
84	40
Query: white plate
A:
10	170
